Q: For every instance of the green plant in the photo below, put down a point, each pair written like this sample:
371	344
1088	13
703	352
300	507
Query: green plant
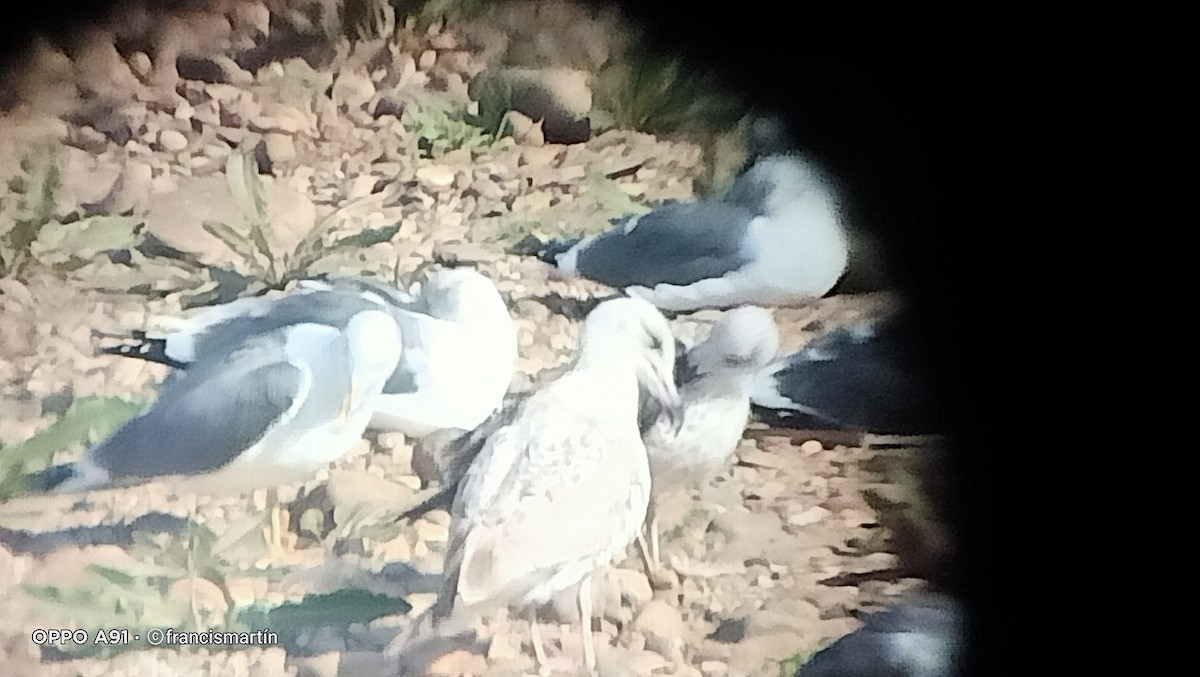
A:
337	609
421	14
27	208
276	268
661	94
610	198
87	419
438	127
368	19
107	597
789	666
145	594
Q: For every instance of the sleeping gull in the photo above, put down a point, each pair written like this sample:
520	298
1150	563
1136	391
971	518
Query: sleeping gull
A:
775	238
562	486
459	357
460	345
851	378
714	380
919	638
273	408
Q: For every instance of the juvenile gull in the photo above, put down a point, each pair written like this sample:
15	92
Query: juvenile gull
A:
852	378
274	408
714	380
460	345
918	638
775	238
562	486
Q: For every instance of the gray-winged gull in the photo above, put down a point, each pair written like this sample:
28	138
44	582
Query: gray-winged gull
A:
852	378
268	409
775	238
918	638
714	380
561	487
460	345
459	357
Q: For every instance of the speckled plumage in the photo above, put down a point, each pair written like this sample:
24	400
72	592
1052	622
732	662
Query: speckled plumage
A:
714	388
562	487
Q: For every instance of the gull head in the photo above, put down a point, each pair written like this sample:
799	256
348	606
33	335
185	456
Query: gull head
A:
457	293
636	330
744	342
777	181
373	339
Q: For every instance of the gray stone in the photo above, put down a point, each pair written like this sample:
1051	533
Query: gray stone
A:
280	148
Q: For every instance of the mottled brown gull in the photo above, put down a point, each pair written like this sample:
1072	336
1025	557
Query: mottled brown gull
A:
561	487
714	380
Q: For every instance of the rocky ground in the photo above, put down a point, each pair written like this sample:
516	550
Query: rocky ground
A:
360	155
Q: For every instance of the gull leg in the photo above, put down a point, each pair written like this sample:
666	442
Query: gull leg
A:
644	551
275	528
191	565
585	617
649	549
535	638
652	523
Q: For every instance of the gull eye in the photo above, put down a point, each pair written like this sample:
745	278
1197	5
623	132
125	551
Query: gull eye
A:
655	343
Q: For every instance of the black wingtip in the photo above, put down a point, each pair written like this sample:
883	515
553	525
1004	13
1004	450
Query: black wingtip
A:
546	252
143	348
554	248
442	499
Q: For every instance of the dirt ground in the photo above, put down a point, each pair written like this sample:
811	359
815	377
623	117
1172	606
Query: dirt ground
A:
752	551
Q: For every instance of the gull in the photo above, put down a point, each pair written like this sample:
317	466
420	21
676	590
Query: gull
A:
919	638
562	482
714	380
775	238
267	409
459	355
460	345
855	377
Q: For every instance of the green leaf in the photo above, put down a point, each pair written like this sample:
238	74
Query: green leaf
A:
241	173
86	420
338	609
240	244
86	237
260	243
113	576
789	666
368	237
312	521
609	196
